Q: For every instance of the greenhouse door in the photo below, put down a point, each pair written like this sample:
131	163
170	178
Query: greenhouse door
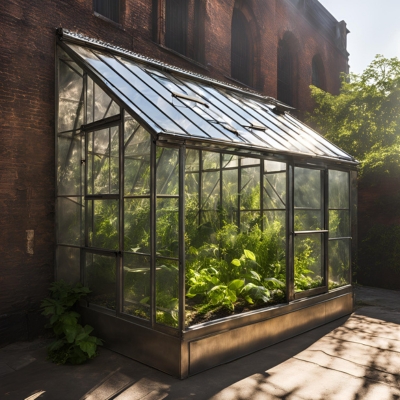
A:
310	234
102	209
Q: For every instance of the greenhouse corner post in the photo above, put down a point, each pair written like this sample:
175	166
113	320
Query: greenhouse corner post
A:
325	210
120	259
353	221
56	115
83	230
262	163
239	188
153	232
220	205
290	231
182	280
200	186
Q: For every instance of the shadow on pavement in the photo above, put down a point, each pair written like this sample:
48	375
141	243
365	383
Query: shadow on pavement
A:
353	358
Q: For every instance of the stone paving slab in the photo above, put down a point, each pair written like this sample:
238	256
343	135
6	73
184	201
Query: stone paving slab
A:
353	358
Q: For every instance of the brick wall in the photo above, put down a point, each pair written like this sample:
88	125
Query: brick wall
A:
27	29
379	233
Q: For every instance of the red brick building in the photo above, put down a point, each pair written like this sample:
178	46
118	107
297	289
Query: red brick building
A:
276	47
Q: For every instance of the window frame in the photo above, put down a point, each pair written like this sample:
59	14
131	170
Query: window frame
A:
241	46
121	9
195	30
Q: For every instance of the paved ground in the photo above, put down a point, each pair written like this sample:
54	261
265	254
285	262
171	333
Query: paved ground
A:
356	357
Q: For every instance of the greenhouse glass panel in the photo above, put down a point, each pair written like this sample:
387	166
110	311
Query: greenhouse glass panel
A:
99	104
211	160
249	219
70	214
70	89
274	190
167	227
211	190
167	292
137	225
137	161
307	220
230	195
250	188
103	161
192	200
192	161
103	224
151	91
230	161
136	286
185	111
100	276
167	171
69	167
250	194
308	262
307	187
339	189
339	228
274	222
339	223
339	263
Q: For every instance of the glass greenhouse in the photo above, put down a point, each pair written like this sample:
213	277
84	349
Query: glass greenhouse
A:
207	220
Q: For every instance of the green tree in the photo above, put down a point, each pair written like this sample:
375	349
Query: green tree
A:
364	119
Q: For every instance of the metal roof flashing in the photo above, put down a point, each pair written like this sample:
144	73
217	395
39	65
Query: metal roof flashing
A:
189	106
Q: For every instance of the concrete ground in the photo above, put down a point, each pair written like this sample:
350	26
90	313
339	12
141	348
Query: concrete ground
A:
356	357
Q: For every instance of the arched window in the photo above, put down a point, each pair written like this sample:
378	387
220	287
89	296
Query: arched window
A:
176	25
241	50
287	70
318	72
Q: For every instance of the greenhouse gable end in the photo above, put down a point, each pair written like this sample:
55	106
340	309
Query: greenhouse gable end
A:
207	220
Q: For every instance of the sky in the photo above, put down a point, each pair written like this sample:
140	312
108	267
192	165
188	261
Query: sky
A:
374	27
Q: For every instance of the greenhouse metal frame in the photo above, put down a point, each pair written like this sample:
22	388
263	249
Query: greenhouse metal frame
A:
206	219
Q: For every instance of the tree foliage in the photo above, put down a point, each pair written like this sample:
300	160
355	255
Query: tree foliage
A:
364	119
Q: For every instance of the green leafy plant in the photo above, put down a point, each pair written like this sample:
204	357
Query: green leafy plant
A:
304	261
230	274
73	342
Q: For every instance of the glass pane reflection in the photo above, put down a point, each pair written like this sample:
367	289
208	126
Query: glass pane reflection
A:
308	262
338	189
100	276
167	292
137	295
339	263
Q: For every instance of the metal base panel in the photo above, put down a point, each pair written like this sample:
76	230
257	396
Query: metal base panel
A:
156	349
206	347
226	346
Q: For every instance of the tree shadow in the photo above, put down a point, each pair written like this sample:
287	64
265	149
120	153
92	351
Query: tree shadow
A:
354	357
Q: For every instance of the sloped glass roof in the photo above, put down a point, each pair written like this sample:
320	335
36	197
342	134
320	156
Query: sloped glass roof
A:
178	103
